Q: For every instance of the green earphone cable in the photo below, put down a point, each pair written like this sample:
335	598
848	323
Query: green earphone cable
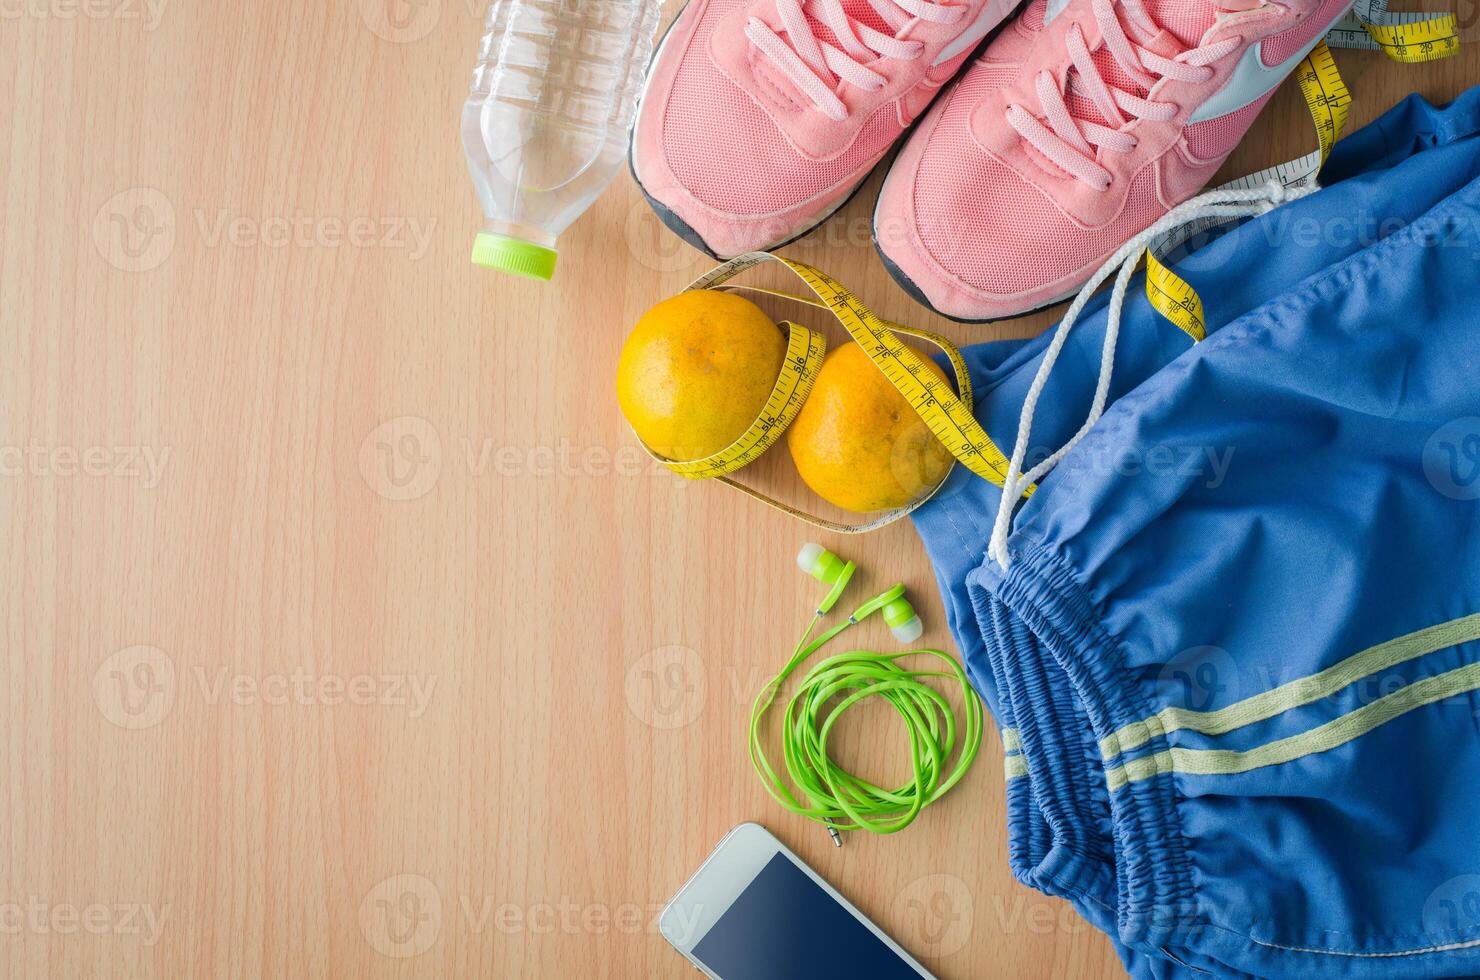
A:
832	795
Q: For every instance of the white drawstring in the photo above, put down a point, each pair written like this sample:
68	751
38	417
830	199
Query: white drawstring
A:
1228	204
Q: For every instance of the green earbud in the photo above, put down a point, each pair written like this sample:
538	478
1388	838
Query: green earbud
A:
817	787
903	621
900	616
828	569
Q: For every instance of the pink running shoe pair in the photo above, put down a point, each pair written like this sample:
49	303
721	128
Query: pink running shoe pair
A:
1082	122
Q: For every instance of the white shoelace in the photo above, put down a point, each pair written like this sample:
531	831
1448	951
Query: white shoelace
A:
1227	204
1070	142
815	66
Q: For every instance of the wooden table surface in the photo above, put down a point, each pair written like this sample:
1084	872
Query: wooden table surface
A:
346	632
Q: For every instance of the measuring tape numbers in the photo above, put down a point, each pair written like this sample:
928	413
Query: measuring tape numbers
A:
1329	102
799	368
1410	38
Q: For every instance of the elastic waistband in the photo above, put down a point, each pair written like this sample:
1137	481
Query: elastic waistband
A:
1069	688
1067	815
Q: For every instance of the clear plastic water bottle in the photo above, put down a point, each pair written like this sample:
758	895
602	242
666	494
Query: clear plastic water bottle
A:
545	127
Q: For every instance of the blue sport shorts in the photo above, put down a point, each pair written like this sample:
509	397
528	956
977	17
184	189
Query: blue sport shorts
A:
1235	656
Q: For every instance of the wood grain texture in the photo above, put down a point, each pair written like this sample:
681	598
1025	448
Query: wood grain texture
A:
342	619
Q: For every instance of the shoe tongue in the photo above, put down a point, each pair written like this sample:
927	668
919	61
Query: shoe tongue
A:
1080	105
1181	23
860	11
1185	20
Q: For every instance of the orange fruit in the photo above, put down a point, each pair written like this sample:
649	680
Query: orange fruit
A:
696	371
858	444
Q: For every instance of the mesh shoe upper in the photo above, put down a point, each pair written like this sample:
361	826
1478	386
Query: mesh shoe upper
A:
727	151
970	224
730	143
996	223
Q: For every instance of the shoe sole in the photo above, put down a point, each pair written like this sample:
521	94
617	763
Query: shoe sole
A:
682	228
907	284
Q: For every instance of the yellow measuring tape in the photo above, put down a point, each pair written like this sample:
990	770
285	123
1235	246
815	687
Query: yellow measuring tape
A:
804	351
1174	299
1329	102
948	414
1326	96
1409	37
1424	40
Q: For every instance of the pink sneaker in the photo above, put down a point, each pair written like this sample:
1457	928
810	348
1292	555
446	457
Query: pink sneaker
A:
1083	122
761	117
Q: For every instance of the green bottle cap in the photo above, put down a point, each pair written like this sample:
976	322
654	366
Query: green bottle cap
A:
513	255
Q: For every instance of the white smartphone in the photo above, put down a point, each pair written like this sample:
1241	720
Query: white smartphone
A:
754	911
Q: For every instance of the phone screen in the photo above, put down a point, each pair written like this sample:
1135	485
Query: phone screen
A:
785	927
